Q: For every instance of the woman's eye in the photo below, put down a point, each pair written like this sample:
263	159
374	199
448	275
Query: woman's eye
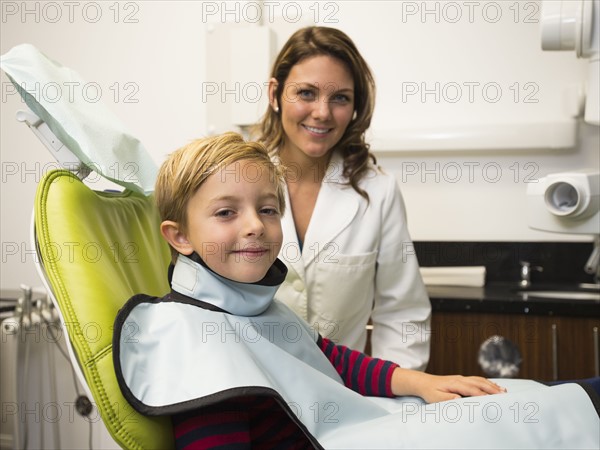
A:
340	98
306	94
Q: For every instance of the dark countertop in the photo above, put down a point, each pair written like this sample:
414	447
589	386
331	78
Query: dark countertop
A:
508	298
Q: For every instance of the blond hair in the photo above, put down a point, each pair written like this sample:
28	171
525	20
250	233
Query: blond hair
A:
186	169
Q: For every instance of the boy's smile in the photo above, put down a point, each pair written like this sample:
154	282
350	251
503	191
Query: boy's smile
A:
234	221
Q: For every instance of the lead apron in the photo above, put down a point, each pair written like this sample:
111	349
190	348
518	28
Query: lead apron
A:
172	355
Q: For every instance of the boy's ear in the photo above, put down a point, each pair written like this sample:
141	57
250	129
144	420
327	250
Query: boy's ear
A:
175	237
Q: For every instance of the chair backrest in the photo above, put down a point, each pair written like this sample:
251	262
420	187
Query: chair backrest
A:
97	249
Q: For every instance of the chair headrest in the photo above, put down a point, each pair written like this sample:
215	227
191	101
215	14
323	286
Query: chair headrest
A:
79	119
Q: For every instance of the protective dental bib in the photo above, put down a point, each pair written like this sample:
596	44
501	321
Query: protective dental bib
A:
175	354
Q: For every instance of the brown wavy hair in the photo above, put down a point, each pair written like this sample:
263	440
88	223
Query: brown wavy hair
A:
317	41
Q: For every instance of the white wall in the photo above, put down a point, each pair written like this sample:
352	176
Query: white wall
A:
161	54
474	64
160	48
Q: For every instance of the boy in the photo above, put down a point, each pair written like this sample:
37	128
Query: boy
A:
233	367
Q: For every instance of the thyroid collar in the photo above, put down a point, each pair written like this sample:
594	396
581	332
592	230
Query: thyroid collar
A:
193	278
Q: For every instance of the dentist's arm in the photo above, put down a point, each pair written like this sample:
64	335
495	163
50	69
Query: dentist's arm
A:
401	312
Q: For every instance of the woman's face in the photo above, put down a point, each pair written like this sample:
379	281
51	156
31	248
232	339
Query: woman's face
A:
317	104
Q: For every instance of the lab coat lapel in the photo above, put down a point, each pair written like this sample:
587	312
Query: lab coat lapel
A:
336	206
290	250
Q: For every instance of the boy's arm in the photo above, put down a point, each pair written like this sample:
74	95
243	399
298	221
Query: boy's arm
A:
215	426
377	377
361	373
436	388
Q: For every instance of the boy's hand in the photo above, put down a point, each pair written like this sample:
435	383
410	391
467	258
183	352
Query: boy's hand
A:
436	388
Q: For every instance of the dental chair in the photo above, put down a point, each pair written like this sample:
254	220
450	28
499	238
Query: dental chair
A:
95	250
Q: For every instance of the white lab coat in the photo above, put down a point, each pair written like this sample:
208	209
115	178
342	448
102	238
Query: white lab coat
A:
358	261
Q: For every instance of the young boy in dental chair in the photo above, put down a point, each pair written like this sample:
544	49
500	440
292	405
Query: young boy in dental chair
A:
236	369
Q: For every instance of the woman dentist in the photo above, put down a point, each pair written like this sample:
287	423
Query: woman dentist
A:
346	242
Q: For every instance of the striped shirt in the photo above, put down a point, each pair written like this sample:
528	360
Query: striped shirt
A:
261	423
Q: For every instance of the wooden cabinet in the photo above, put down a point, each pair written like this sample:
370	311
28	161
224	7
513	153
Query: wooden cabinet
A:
552	348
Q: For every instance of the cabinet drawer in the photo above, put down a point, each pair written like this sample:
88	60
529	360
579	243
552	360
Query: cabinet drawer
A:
550	347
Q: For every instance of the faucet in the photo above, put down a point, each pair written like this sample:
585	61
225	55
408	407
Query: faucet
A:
526	269
592	266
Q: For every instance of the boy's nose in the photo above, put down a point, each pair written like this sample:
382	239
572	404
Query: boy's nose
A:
253	225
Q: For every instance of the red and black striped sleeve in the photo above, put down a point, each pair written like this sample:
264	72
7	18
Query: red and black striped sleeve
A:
218	426
242	423
361	373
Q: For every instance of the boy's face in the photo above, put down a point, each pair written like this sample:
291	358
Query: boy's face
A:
234	222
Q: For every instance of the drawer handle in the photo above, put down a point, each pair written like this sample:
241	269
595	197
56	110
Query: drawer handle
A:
554	352
596	352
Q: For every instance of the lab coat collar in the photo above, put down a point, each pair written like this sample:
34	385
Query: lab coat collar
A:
336	206
191	277
290	249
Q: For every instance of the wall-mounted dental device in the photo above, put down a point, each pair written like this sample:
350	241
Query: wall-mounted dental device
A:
575	25
567	202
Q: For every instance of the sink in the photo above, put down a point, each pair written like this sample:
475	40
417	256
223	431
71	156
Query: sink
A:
566	295
566	292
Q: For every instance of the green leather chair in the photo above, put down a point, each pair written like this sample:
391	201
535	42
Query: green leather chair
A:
96	250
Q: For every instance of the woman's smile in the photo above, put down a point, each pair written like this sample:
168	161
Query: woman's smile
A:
320	131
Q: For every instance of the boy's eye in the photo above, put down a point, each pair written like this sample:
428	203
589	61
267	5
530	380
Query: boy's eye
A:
224	213
268	211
